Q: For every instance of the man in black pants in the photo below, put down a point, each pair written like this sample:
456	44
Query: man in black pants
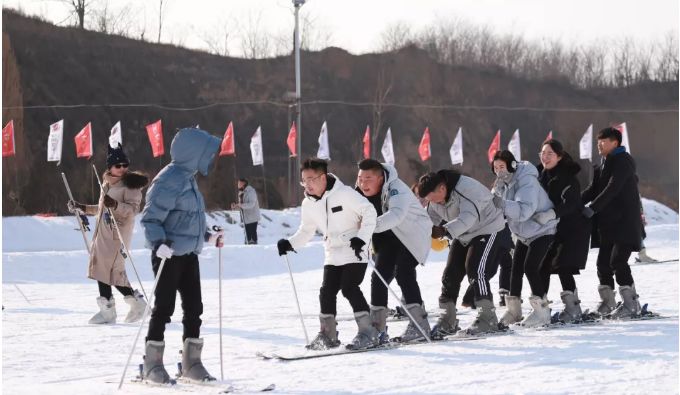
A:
250	209
347	220
401	241
617	225
469	216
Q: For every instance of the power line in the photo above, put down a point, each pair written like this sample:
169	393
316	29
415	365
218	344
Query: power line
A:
167	106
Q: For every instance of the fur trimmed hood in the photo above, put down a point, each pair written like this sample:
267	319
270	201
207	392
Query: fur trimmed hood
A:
135	180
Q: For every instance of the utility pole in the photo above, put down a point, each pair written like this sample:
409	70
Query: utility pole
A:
298	97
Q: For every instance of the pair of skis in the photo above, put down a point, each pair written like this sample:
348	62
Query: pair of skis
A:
220	387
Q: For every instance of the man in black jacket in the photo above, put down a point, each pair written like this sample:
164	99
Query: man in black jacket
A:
615	209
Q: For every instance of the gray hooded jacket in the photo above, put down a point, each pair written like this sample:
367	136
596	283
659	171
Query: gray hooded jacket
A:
249	205
524	196
175	211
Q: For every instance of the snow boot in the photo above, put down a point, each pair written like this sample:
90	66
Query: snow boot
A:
644	258
328	335
608	300
367	335
513	313
420	315
630	307
486	320
107	311
572	307
447	324
379	321
154	370
502	293
192	366
137	307
540	313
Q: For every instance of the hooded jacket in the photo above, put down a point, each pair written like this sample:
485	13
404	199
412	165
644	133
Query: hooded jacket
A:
403	215
468	211
524	196
175	211
340	214
249	205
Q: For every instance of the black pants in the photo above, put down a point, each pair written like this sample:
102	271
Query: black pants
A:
251	233
613	260
395	261
477	260
180	273
105	290
346	278
529	259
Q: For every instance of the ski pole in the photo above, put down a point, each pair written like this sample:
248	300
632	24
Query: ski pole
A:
420	329
120	237
243	221
141	325
80	223
297	301
219	260
22	294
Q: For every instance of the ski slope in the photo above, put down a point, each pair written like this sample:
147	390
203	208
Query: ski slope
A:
48	347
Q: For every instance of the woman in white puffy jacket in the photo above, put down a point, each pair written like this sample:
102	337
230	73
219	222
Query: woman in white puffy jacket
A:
347	220
519	194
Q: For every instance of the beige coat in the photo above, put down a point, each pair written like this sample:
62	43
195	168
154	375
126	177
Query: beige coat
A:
107	263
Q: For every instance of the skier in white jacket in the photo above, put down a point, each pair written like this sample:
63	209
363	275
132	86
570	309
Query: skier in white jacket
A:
346	220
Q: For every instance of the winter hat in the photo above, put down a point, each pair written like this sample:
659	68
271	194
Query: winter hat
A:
116	156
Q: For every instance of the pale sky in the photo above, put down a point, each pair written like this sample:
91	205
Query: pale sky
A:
356	24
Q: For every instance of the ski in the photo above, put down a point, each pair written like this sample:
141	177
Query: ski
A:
391	345
198	387
639	262
592	318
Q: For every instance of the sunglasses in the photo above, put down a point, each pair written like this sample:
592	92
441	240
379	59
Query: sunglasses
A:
121	165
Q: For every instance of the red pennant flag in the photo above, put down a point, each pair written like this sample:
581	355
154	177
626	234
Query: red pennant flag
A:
155	132
292	135
495	146
228	141
84	142
367	142
424	147
549	136
8	139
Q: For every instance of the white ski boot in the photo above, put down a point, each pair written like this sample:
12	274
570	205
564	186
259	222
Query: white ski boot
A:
513	313
540	313
572	307
447	324
154	370
630	307
420	315
192	366
137	306
608	300
107	311
367	335
486	320
328	335
379	321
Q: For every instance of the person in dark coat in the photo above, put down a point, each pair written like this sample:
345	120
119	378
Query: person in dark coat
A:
568	252
617	226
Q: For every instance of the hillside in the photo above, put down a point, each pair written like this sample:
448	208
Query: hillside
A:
46	65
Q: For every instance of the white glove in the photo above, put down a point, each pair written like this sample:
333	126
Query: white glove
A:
164	252
216	238
544	216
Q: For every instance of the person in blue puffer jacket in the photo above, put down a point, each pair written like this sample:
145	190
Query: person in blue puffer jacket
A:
175	229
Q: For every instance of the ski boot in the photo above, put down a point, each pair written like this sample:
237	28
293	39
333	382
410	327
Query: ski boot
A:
327	337
107	311
572	307
379	321
485	322
540	313
137	307
630	307
447	324
412	332
367	335
192	368
153	369
513	313
608	300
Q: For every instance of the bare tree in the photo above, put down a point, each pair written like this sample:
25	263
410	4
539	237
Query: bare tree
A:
255	43
395	36
162	5
112	21
667	64
79	8
217	39
315	36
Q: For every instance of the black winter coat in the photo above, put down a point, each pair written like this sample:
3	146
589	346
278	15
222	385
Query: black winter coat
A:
569	250
616	201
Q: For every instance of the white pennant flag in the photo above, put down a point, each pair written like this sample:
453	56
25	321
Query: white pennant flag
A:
514	146
256	147
54	142
116	136
324	150
456	150
387	149
624	136
585	146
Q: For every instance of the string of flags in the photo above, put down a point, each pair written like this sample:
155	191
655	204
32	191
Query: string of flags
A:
84	143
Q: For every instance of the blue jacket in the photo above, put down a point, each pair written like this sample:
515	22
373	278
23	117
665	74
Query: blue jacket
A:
175	211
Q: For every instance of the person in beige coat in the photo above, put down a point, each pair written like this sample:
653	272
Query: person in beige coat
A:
121	197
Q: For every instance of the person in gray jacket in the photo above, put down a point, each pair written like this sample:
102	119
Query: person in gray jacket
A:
520	195
401	241
175	228
462	208
250	209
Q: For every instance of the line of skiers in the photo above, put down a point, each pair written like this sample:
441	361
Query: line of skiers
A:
542	208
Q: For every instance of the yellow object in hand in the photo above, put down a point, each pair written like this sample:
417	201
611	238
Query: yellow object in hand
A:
439	244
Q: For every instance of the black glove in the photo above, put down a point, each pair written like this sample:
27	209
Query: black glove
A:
438	232
357	245
284	246
110	202
587	212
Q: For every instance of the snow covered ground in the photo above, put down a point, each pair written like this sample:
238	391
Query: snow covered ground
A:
48	347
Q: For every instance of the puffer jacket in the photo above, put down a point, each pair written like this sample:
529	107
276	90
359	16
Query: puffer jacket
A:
106	262
469	211
175	211
340	214
249	205
404	215
524	196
